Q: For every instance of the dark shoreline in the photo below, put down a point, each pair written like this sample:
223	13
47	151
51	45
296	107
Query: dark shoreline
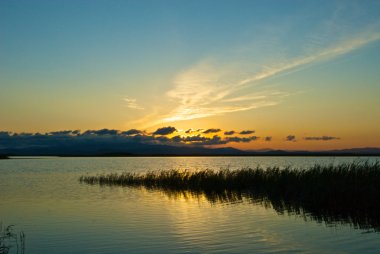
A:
230	155
198	155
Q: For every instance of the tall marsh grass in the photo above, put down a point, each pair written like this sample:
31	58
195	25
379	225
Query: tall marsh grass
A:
9	240
345	193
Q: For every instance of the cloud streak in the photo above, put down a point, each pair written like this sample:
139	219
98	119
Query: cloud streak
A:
205	90
212	131
246	132
322	138
132	103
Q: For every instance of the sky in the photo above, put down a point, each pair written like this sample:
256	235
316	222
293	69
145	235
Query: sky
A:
300	74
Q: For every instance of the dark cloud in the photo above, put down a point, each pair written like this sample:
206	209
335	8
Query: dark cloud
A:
177	139
61	133
246	132
165	130
5	133
24	134
291	138
161	139
268	138
211	131
215	140
132	132
229	132
101	132
140	138
104	141
239	139
322	138
197	138
189	131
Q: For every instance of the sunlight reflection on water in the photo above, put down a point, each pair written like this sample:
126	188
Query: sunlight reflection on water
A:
59	215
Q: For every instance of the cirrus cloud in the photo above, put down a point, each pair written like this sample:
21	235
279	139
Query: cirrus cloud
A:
212	88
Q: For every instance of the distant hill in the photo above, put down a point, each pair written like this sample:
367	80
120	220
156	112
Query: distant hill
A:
141	149
368	151
127	149
358	151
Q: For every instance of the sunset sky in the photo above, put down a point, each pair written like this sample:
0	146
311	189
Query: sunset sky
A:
308	69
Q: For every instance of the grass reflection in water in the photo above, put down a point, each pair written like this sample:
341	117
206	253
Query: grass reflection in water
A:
334	194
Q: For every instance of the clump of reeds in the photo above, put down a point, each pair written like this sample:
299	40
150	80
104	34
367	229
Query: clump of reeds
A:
348	181
9	239
324	191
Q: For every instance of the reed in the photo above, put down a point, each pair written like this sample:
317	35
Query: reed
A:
356	182
10	240
345	192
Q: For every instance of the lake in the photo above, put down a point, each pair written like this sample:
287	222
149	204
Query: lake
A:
43	198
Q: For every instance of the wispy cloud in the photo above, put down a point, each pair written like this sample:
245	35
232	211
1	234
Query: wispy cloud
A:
212	88
205	90
132	103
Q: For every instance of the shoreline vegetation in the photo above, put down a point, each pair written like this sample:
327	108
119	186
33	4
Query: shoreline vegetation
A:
345	193
11	241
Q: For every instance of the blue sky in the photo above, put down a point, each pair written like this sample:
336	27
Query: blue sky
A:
192	64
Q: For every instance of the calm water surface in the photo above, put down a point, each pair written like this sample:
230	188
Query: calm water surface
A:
44	198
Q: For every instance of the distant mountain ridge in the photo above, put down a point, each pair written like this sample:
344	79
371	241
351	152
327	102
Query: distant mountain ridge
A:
367	150
141	149
128	149
370	151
